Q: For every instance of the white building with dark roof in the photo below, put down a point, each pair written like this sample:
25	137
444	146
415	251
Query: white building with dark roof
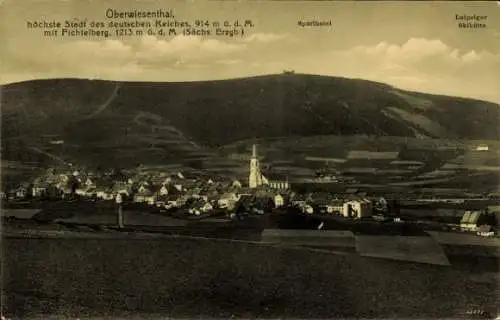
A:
145	194
278	182
279	200
39	187
164	190
472	220
482	147
358	208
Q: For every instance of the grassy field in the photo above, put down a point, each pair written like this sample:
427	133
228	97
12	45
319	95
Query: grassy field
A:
418	249
405	163
19	213
464	239
194	278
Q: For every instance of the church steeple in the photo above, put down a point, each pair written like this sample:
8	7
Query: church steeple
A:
255	178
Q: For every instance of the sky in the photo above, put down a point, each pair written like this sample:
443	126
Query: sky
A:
415	45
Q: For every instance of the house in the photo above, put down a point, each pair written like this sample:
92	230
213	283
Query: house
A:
482	147
191	183
81	192
299	200
198	207
156	180
89	183
73	185
303	202
469	220
143	187
207	206
179	187
62	182
278	182
381	205
472	220
104	194
163	190
39	187
170	202
195	211
145	195
254	204
228	200
209	190
78	185
63	177
380	217
64	190
279	201
307	208
245	191
145	184
122	188
326	202
485	231
80	178
162	199
357	208
493	209
53	192
195	192
167	201
237	184
335	206
173	203
21	192
104	191
91	192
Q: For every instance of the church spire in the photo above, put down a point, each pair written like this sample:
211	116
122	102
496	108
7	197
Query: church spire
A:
255	177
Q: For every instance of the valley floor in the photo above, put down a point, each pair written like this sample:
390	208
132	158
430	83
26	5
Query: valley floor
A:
184	277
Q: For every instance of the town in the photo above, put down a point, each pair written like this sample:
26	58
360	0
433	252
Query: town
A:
201	195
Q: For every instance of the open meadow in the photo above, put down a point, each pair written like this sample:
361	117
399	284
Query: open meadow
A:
201	278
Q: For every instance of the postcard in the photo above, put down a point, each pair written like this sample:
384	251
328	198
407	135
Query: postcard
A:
249	159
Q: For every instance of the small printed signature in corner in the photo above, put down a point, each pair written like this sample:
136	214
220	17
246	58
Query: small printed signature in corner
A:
478	312
315	23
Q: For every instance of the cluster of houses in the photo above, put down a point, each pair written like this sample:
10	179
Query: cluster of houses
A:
482	222
194	192
200	194
351	206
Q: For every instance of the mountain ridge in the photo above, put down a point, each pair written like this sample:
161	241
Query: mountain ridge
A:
379	83
176	118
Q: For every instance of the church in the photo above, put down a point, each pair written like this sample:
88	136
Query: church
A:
257	178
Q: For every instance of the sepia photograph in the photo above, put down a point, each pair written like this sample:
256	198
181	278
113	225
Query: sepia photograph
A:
249	159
